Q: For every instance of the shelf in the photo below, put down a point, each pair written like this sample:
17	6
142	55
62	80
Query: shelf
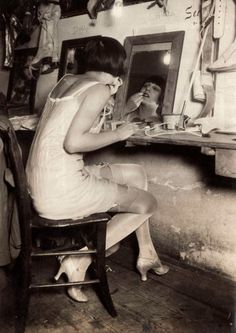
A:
214	140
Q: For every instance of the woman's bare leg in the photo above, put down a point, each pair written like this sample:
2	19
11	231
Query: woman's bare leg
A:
135	206
133	175
141	205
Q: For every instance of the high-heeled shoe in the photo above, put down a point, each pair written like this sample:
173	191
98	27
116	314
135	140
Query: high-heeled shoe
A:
145	264
70	266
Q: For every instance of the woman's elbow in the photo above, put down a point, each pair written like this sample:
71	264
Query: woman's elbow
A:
70	146
74	144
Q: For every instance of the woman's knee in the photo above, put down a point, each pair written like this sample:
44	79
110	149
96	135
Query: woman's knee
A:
145	203
134	200
150	204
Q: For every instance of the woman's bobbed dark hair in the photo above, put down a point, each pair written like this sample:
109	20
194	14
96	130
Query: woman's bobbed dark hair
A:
105	54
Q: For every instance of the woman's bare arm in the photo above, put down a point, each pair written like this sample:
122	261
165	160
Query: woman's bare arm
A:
78	138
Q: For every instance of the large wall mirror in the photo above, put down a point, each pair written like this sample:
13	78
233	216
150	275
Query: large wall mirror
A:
148	56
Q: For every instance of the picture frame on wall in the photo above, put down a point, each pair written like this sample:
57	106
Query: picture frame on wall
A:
22	83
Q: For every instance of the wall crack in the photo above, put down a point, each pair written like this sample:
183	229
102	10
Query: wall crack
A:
173	187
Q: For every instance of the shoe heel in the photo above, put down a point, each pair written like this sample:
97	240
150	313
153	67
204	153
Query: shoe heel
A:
145	264
143	272
60	271
143	276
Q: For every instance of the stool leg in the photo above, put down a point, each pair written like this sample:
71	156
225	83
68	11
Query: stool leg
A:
104	291
22	294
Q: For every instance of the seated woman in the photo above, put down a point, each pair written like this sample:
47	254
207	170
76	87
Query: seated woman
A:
146	105
61	185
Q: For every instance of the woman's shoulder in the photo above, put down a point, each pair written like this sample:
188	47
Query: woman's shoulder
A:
72	84
94	86
98	90
67	78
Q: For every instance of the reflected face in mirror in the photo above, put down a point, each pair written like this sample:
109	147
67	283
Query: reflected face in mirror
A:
148	75
151	93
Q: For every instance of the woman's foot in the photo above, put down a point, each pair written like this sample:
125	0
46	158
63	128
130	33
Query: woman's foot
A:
75	268
146	264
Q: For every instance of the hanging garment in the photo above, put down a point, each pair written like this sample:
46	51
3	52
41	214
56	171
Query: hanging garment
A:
48	49
226	62
207	12
12	30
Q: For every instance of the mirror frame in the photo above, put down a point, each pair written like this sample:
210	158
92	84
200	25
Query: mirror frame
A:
68	44
176	38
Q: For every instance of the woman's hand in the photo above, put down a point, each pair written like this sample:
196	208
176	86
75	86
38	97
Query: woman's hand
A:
126	130
115	86
134	102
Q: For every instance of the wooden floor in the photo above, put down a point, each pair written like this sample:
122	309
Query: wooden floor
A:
175	303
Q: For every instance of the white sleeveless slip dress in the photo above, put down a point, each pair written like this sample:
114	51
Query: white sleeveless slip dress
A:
59	184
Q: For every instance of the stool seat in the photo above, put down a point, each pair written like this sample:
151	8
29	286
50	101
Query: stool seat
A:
41	222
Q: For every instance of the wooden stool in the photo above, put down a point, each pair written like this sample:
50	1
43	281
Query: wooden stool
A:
33	224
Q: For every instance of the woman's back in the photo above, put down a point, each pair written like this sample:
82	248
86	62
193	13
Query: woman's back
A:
60	108
51	170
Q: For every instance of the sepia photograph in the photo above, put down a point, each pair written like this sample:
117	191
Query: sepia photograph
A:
117	166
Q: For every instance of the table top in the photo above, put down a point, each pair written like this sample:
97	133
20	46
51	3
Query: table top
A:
213	140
